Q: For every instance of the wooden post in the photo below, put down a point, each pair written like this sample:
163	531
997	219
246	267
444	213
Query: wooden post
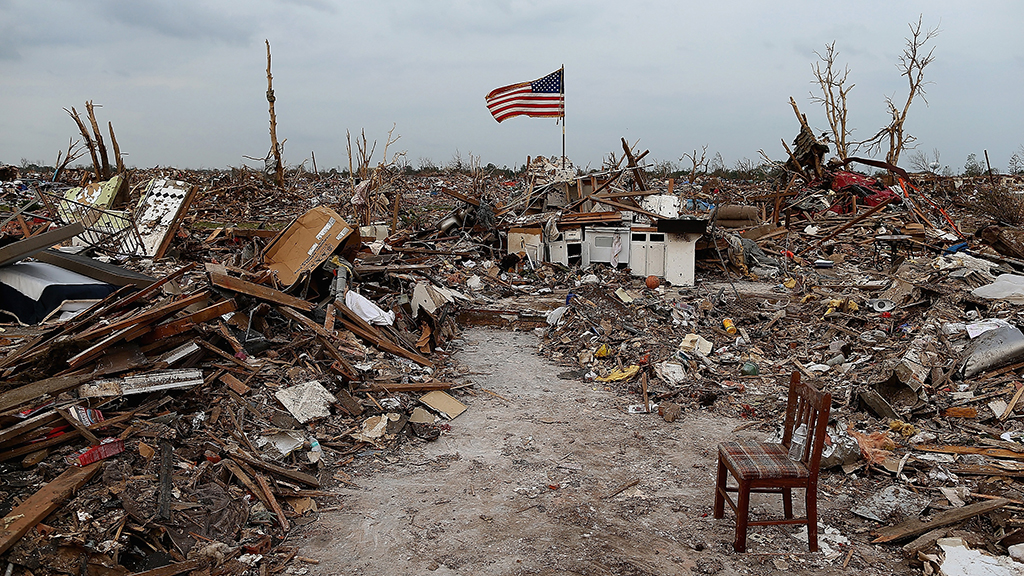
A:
275	149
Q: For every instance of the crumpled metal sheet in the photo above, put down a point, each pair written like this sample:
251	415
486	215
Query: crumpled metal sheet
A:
995	348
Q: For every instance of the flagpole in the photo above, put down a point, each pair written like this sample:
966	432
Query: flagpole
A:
562	87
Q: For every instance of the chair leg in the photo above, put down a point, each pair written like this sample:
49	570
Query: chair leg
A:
812	517
719	510
742	509
787	503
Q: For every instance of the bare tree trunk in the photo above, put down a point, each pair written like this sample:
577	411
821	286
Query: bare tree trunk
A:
88	140
275	149
104	162
117	150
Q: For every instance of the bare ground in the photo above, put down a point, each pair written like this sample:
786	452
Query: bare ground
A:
526	482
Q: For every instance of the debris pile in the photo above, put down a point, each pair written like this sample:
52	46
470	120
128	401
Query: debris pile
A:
190	359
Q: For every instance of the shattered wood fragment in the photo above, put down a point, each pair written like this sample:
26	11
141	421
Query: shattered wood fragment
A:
227	356
38	506
85	432
26	426
348	402
258	291
235	384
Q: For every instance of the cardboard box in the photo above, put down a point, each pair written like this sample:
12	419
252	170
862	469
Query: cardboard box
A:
306	243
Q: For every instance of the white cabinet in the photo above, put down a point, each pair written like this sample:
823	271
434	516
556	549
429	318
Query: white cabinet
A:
647	253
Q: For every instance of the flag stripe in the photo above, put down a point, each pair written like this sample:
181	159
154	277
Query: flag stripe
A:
542	98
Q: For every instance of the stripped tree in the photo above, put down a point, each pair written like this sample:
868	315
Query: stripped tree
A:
834	89
912	63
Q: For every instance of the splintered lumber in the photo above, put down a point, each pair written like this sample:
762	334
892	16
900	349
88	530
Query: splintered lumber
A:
621	206
842	228
992	452
34	391
39	505
26	426
15	251
300	477
460	196
408	387
175	327
152	288
62	438
364	330
915	526
258	291
175	568
146	317
269	494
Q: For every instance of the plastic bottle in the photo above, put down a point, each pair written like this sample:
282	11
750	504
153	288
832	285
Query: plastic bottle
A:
796	444
729	326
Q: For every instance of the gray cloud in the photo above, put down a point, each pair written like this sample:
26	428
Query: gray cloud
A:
182	19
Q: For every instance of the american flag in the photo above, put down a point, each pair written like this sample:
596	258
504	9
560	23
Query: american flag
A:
544	98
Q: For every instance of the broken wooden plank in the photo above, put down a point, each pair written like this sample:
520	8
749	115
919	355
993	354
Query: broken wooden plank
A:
175	327
85	432
34	391
150	316
924	541
102	271
39	505
235	384
916	526
300	477
26	426
460	196
407	387
61	439
258	291
227	356
282	520
364	330
993	452
174	569
15	251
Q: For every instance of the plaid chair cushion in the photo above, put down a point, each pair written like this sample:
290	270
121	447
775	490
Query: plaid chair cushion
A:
755	460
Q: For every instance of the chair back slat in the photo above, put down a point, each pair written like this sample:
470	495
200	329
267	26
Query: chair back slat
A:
806	405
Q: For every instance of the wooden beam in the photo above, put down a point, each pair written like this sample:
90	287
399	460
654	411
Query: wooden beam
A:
367	332
407	387
915	526
258	291
175	327
39	505
460	196
620	206
300	477
842	228
149	316
30	392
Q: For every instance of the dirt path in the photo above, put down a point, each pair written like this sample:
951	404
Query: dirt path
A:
526	482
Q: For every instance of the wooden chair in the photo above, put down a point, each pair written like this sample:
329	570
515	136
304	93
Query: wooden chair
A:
762	467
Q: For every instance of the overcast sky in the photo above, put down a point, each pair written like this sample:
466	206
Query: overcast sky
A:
184	81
